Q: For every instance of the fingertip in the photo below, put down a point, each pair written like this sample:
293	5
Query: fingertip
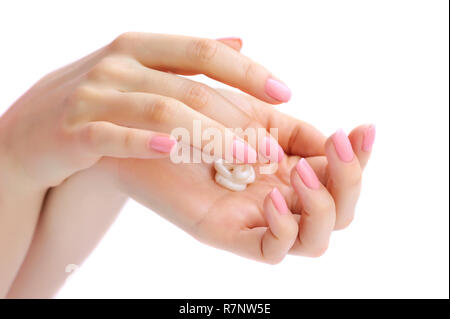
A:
162	143
244	152
233	42
330	149
303	178
278	216
342	146
277	91
307	174
278	201
369	138
362	139
271	150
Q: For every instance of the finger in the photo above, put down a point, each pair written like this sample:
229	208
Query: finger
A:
362	139
317	215
210	57
344	177
296	137
164	114
203	99
271	244
282	230
108	139
232	42
319	165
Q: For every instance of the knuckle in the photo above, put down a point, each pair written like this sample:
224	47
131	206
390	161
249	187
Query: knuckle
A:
294	137
90	135
355	178
99	70
342	223
160	110
127	140
198	96
249	71
318	251
290	231
325	207
202	50
81	95
77	105
273	260
122	42
106	68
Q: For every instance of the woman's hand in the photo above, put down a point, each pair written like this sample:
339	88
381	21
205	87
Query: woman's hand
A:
120	101
256	223
321	192
111	102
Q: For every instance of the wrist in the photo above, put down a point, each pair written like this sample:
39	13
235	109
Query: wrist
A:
13	178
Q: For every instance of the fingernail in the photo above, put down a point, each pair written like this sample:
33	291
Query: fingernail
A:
278	201
369	138
236	39
271	150
162	144
277	90
243	152
307	174
343	146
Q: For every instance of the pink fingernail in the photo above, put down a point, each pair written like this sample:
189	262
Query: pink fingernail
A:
231	39
307	174
271	150
278	201
277	90
162	144
369	138
243	152
343	146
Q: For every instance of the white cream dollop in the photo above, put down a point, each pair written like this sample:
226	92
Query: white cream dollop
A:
235	177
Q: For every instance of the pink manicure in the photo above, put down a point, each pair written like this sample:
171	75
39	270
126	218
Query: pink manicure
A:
307	174
277	90
243	153
343	146
162	144
272	150
231	39
369	138
278	201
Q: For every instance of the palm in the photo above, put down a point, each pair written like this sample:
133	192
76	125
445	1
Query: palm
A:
187	195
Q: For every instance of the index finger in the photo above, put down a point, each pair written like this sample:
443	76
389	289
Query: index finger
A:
182	54
296	137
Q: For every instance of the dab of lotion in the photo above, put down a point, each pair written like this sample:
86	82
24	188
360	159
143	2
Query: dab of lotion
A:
232	176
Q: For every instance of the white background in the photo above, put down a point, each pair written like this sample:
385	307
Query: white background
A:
347	62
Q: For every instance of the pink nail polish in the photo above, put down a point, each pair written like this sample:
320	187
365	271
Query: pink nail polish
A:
272	150
162	144
278	201
307	174
369	138
243	152
277	90
343	146
231	39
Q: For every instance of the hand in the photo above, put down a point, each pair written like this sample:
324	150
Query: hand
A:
111	102
248	223
258	222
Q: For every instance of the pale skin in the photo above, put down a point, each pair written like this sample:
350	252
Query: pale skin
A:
250	223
